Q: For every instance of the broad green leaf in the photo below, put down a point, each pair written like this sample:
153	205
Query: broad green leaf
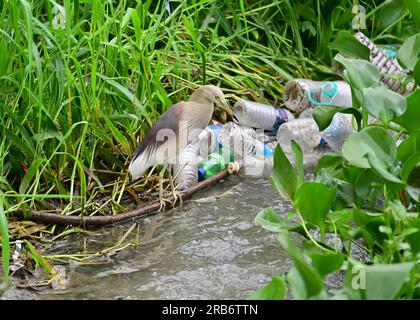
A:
408	147
410	173
414	7
331	162
274	290
297	151
375	141
384	104
271	221
416	72
368	186
326	263
414	238
348	45
313	201
323	115
408	54
360	74
380	169
296	284
390	13
410	120
311	278
383	281
283	177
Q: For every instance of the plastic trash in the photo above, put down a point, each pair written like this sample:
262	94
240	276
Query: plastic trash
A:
242	141
214	163
301	94
252	166
386	66
208	140
260	116
338	131
185	170
304	131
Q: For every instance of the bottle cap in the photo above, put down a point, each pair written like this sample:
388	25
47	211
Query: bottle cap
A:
201	173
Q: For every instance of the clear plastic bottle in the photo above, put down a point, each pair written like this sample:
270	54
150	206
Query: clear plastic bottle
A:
338	131
185	170
304	131
242	141
260	116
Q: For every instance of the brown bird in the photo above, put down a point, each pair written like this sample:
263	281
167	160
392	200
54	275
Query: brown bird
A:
176	128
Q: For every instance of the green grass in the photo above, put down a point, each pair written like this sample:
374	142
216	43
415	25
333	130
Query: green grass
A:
75	101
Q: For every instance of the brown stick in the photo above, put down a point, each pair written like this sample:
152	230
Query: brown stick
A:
104	220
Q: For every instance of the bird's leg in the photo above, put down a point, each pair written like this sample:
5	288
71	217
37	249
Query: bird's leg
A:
161	199
175	193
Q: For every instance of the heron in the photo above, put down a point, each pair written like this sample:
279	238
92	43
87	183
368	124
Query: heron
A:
176	128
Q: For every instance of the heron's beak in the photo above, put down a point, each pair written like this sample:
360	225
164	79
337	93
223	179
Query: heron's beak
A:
224	105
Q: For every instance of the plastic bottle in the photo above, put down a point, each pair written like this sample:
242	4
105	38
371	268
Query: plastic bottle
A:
338	131
304	131
301	94
260	116
214	163
208	139
387	66
185	170
242	141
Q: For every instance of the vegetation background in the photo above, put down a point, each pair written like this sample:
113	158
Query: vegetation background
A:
82	81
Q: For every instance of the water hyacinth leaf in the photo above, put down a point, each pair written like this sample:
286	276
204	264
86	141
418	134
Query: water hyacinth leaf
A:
383	281
331	162
414	238
414	7
368	186
323	115
410	120
297	284
408	53
380	169
283	177
297	152
326	263
410	173
360	74
416	72
408	147
311	279
384	104
313	201
375	141
348	45
271	221
274	290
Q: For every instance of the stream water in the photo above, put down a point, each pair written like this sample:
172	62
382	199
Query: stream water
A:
209	249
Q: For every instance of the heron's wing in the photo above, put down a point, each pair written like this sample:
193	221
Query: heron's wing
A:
163	135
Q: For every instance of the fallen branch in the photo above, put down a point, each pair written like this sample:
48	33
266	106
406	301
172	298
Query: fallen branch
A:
104	220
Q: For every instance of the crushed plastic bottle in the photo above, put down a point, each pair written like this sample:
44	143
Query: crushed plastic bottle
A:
260	116
208	140
185	170
338	131
389	68
242	141
304	131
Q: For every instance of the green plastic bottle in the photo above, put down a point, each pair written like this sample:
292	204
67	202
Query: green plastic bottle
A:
214	163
